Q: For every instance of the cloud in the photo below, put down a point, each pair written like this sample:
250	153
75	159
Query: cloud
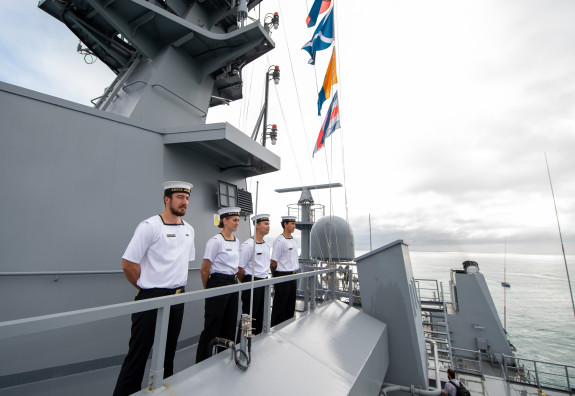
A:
39	52
446	111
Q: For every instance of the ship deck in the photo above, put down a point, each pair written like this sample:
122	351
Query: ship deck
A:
490	385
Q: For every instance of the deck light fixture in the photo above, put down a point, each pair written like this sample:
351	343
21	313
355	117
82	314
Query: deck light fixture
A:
272	20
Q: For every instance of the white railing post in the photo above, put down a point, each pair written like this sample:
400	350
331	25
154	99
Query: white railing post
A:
332	284
313	293
267	308
306	294
350	286
159	349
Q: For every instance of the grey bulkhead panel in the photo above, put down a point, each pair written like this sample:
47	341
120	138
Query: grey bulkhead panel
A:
77	182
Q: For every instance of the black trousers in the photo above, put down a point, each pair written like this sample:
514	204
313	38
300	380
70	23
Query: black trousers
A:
258	304
220	315
284	299
142	339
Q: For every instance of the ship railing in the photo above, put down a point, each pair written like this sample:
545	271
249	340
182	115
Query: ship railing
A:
46	323
539	373
431	290
343	282
467	360
316	211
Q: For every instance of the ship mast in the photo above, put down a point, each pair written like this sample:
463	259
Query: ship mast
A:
173	62
306	220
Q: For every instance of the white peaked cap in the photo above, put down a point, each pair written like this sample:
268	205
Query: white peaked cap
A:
227	212
177	186
261	217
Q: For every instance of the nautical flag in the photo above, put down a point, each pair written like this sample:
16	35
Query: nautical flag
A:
318	7
322	37
330	124
328	81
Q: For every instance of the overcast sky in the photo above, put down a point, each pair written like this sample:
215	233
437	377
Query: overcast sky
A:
447	108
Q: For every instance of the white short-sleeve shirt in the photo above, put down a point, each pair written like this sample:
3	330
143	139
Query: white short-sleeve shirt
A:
163	252
224	255
285	254
262	258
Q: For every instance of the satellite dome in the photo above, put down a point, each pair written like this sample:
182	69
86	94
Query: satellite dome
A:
332	240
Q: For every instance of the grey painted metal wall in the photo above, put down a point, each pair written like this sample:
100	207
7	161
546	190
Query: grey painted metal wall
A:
76	183
477	316
388	293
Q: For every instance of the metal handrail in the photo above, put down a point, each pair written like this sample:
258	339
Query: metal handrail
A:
62	273
535	376
38	324
436	362
539	377
179	97
167	90
438	295
19	327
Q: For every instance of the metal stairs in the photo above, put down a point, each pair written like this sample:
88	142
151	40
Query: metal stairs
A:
434	318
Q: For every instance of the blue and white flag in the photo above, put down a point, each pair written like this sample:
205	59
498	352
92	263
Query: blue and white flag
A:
318	8
322	37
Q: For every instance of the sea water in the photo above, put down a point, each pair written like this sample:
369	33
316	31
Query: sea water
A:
539	314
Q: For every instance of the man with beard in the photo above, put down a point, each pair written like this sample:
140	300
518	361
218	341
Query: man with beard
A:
156	262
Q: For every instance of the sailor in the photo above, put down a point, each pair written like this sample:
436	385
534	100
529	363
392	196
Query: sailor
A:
156	262
284	261
257	265
220	268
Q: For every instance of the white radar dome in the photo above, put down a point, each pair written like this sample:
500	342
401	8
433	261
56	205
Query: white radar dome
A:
331	239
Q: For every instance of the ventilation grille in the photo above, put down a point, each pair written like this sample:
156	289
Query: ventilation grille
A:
245	202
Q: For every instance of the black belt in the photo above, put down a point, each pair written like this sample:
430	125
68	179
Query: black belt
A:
176	290
217	275
284	273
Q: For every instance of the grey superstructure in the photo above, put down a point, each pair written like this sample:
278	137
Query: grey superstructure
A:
86	176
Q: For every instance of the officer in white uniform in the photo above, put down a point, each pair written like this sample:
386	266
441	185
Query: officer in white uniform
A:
156	262
220	268
284	261
255	265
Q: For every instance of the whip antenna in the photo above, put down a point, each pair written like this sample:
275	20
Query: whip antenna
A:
560	236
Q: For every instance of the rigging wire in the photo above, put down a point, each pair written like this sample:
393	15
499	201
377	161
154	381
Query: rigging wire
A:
297	95
244	110
340	86
295	158
560	235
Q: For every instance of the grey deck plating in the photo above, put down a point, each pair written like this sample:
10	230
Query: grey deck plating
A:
336	350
